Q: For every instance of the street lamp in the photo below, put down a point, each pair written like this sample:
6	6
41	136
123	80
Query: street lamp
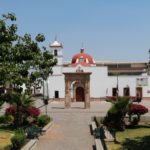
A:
149	63
45	95
117	87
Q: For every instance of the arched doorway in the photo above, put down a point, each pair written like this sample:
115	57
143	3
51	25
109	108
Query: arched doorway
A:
83	81
80	94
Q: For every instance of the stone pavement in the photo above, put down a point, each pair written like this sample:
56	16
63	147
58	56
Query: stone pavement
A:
71	129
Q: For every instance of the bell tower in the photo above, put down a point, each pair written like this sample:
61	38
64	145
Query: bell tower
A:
56	49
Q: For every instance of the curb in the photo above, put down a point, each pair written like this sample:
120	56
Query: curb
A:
98	142
48	126
32	144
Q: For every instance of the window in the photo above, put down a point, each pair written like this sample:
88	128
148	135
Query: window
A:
126	91
55	52
114	91
56	94
81	59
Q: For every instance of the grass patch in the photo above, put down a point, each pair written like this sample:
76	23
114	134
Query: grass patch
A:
5	137
132	139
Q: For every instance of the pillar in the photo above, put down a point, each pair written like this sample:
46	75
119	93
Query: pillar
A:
87	94
67	94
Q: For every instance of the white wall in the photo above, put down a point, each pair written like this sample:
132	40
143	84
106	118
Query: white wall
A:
56	83
126	81
57	70
97	79
100	82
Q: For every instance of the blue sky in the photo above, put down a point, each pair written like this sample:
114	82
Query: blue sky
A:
117	30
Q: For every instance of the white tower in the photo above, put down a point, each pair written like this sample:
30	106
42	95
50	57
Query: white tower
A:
56	49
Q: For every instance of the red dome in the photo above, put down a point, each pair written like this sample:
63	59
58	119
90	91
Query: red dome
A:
82	58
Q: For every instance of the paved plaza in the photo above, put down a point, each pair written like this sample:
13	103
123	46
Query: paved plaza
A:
71	129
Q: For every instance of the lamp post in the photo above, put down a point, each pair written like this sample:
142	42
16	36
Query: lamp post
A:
45	95
117	87
149	63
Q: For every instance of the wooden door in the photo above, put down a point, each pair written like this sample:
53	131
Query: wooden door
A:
79	94
139	92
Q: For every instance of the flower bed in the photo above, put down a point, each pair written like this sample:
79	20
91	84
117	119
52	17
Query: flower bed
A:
138	109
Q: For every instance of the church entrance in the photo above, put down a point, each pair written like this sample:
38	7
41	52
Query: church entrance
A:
80	94
77	87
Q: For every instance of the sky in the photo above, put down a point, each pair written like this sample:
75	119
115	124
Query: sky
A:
110	30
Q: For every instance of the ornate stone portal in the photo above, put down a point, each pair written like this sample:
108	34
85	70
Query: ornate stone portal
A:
80	78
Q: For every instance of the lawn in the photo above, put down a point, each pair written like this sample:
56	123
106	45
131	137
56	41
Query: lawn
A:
5	137
137	138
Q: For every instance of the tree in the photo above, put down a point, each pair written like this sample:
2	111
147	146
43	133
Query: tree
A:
22	61
115	116
20	103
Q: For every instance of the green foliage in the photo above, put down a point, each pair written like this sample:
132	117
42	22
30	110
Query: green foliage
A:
10	16
40	38
134	120
114	119
43	120
9	119
2	119
22	61
136	138
121	104
18	139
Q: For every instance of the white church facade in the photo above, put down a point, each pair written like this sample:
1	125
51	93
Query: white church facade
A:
85	79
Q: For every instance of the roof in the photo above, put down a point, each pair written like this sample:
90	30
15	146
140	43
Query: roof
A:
82	58
56	44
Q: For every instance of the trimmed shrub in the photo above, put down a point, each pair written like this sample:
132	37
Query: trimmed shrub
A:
33	111
2	119
137	109
135	112
18	139
9	119
43	120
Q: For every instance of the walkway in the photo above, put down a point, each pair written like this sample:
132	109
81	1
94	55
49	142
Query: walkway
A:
71	129
71	126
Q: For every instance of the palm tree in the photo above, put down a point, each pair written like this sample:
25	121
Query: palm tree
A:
21	101
116	114
115	117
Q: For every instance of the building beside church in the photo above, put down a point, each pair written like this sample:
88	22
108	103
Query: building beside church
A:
86	79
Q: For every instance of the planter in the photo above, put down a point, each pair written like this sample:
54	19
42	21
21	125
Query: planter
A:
32	144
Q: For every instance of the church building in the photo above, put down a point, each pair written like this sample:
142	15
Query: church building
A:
84	79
